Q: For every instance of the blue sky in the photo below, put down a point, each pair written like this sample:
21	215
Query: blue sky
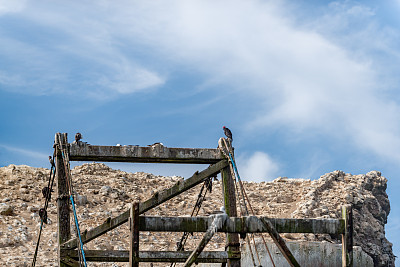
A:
307	87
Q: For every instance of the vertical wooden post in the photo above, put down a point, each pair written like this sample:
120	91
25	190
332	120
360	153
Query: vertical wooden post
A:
63	209
232	240
134	235
347	237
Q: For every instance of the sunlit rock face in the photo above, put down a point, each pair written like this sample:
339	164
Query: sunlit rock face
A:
102	192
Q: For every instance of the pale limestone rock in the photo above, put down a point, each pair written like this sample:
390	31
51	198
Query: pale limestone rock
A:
111	191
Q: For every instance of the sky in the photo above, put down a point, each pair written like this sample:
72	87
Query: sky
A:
307	87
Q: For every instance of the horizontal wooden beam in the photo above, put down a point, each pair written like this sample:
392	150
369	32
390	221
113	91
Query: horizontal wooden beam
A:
249	224
157	199
151	154
147	256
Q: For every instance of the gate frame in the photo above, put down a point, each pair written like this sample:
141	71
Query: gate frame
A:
157	153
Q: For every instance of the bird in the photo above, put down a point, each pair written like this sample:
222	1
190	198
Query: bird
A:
78	137
227	132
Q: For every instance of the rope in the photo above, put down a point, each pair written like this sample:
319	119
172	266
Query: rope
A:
241	196
251	208
37	245
77	228
246	213
70	191
242	213
228	154
43	212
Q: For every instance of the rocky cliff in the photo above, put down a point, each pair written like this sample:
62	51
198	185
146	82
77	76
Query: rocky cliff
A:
102	192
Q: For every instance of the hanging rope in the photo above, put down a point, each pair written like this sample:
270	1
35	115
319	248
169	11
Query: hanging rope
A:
77	229
243	205
43	211
228	151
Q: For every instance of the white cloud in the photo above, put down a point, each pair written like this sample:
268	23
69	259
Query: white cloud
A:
11	6
324	75
305	78
258	167
70	51
130	79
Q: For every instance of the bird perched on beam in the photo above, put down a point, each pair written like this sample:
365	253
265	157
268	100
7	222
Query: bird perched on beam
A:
227	132
78	137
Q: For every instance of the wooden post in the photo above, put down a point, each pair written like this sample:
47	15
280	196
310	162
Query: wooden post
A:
63	216
347	237
134	235
232	240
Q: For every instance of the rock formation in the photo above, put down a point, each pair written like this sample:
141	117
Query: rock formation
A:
101	192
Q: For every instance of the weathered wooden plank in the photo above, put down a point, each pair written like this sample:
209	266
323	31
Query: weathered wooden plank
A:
154	201
63	209
134	235
248	224
229	193
151	154
148	256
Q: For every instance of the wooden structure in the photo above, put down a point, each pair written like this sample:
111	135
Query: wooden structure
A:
229	223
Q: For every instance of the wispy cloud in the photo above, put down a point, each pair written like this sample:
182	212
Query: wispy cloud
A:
25	152
68	51
258	167
304	78
327	74
11	6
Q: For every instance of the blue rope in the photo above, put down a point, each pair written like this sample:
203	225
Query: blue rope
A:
77	227
234	166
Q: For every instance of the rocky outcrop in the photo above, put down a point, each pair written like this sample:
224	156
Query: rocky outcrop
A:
101	192
367	194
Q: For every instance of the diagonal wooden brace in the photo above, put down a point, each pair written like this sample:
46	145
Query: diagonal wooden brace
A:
280	243
216	225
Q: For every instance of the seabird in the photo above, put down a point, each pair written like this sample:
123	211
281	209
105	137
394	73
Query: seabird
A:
78	137
227	132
